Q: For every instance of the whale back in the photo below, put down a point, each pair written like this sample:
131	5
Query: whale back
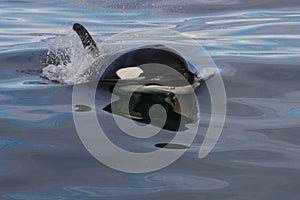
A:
154	54
151	54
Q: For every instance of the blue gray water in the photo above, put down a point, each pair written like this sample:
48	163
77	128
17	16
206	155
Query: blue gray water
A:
255	45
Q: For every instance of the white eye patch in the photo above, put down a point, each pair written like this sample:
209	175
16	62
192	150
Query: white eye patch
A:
129	72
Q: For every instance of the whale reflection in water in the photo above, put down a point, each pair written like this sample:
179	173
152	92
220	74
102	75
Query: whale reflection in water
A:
172	93
146	96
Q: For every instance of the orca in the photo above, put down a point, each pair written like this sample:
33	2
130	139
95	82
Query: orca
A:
131	67
121	63
125	67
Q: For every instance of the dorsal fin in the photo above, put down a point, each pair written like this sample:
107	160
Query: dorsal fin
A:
86	39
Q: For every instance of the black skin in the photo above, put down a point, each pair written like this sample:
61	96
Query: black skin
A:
146	55
86	39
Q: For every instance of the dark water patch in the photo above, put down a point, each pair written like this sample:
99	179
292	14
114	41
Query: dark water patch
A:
82	108
171	146
33	72
259	79
34	83
19	64
289	134
240	108
279	73
42	111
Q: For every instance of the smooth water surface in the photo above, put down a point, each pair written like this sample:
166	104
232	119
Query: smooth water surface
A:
255	45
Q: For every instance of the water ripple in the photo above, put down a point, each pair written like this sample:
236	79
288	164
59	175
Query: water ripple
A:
154	183
257	52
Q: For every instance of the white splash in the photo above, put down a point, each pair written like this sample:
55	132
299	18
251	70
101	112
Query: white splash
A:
67	60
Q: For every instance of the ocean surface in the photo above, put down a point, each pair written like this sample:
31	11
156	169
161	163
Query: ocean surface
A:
254	44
